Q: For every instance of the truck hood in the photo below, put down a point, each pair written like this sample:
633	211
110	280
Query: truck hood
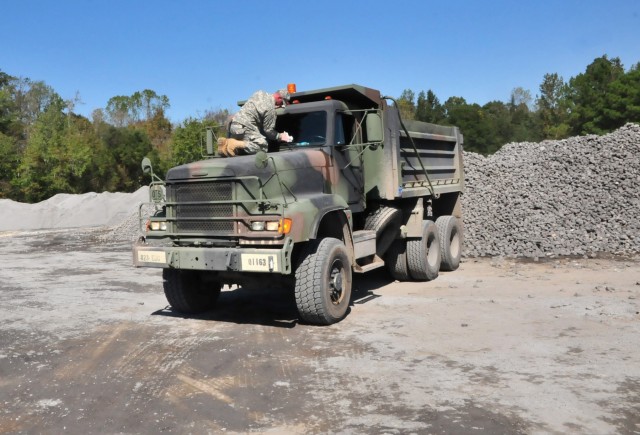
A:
241	166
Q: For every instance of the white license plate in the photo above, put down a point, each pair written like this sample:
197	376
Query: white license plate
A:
259	262
152	257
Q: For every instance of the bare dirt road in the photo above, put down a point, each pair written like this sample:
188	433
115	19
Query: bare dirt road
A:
87	345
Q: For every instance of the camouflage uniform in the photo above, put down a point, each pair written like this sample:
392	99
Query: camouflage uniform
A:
255	123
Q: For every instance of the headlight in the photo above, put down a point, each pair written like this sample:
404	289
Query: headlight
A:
257	226
158	226
272	226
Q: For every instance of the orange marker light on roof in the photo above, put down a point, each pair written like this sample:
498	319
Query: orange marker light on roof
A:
291	88
328	97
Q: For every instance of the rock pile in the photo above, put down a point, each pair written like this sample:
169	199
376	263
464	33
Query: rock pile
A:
578	196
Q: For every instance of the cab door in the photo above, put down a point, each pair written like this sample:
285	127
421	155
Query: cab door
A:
348	161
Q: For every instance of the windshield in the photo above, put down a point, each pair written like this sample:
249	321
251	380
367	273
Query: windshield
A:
307	129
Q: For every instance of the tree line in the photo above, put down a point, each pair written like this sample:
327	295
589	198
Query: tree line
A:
598	101
47	148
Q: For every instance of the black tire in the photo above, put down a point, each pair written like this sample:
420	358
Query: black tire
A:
385	221
323	282
188	292
423	254
451	237
396	260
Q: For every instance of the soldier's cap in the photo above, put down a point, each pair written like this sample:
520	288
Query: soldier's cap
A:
284	94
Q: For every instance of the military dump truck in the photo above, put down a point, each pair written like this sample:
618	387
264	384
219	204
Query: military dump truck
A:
357	189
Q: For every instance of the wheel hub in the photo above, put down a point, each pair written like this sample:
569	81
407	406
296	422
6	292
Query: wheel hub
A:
335	284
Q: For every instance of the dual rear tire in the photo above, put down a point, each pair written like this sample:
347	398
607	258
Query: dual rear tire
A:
423	254
421	259
451	238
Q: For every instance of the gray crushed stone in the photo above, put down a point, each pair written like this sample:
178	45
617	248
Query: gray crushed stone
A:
572	197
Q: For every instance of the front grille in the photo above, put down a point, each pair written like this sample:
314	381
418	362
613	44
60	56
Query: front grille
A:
192	192
204	226
185	211
191	207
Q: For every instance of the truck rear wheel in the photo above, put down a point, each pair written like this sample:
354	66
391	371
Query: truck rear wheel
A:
423	254
385	221
396	260
450	235
188	292
323	282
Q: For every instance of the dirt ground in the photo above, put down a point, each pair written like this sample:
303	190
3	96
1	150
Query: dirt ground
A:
88	345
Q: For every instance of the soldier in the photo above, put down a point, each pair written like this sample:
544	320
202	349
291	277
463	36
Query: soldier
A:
254	125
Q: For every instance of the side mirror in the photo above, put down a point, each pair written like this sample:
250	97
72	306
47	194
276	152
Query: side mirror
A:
262	159
146	166
374	127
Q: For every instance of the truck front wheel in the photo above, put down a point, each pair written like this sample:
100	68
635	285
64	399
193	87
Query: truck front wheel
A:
188	291
323	282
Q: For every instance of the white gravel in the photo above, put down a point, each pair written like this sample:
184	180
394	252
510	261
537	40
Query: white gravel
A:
71	211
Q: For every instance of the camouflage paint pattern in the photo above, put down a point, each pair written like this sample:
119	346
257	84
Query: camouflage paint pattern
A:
212	203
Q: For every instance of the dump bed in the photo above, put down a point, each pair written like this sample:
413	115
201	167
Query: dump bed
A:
420	159
435	158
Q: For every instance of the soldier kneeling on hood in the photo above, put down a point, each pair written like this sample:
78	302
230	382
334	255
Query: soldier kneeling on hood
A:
254	125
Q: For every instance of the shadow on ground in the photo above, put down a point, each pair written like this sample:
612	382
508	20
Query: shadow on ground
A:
274	306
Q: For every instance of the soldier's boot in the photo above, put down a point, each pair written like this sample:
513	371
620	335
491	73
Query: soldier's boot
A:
233	145
222	146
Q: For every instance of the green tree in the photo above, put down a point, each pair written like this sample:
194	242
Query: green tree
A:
470	119
120	111
187	143
32	98
7	104
126	148
622	101
150	103
406	104
8	165
125	110
429	109
497	116
589	93
554	107
523	122
61	155
159	131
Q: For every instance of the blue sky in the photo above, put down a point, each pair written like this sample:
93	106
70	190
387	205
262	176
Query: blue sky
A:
207	55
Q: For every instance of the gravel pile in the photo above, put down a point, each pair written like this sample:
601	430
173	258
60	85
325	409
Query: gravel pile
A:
578	196
71	211
130	228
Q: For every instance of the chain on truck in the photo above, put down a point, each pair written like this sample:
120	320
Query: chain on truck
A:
358	188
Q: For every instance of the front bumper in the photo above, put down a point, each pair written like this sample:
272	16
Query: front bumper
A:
215	258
